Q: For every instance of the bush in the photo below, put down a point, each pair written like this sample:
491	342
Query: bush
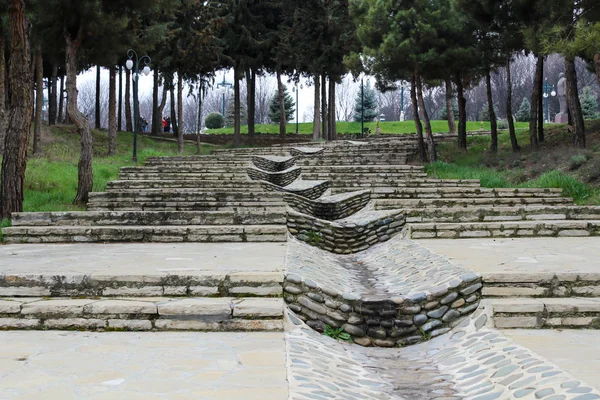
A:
577	161
503	124
214	121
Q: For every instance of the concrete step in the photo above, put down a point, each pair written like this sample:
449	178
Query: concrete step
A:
505	229
471	192
181	233
160	314
184	195
495	214
466	201
183	183
183	205
385	177
574	312
348	186
357	160
241	216
241	176
362	169
541	284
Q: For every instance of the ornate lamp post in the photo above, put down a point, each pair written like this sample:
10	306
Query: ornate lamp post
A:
548	91
224	86
403	86
136	103
362	107
295	89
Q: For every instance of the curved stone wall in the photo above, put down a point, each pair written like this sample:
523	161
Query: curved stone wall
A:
330	207
309	189
273	163
280	178
398	293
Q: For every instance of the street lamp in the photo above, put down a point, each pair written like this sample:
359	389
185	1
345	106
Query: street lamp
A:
362	107
136	102
224	86
548	91
295	89
403	86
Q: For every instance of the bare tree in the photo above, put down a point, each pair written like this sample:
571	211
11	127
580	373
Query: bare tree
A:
345	99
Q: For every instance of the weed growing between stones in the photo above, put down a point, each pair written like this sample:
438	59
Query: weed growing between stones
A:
314	238
5	223
337	334
425	336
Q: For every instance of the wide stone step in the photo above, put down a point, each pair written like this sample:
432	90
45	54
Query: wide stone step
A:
242	216
505	229
182	233
348	186
452	202
184	195
471	192
362	169
541	284
390	177
181	183
182	205
358	160
493	213
160	314
183	169
242	176
573	312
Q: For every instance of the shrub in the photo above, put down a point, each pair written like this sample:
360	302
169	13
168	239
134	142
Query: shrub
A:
577	161
503	124
214	121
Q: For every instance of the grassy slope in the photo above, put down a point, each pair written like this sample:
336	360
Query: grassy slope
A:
556	164
354	127
51	180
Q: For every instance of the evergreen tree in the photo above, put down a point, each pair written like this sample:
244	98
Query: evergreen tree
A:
274	109
524	111
230	115
444	112
589	104
370	104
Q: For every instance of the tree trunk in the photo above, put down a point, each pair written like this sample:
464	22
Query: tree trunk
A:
535	101
52	97
449	107
331	111
541	101
282	120
173	111
2	93
493	122
574	103
20	78
156	116
324	116
120	101
316	112
97	122
39	101
112	111
85	175
597	65
180	113
418	126
61	99
462	113
199	122
236	106
509	114
251	98
161	107
128	119
430	142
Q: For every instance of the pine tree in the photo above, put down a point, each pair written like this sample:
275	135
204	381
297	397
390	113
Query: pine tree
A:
589	104
274	114
444	112
370	104
524	111
230	115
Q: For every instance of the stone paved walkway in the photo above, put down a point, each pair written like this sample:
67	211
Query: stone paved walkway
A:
138	259
118	365
530	255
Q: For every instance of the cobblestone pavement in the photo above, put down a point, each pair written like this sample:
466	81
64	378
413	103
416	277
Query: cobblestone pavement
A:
471	362
120	365
531	255
140	259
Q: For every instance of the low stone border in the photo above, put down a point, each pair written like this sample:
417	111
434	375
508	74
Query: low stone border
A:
105	285
364	294
196	314
331	207
273	163
309	189
280	178
306	151
349	235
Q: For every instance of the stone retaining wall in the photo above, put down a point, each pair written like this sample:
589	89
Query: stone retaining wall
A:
332	207
273	164
280	178
312	190
345	236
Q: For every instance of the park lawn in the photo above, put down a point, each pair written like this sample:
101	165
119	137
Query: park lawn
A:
555	165
51	179
390	127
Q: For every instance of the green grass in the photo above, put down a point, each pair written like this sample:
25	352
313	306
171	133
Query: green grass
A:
528	169
51	180
5	223
354	127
